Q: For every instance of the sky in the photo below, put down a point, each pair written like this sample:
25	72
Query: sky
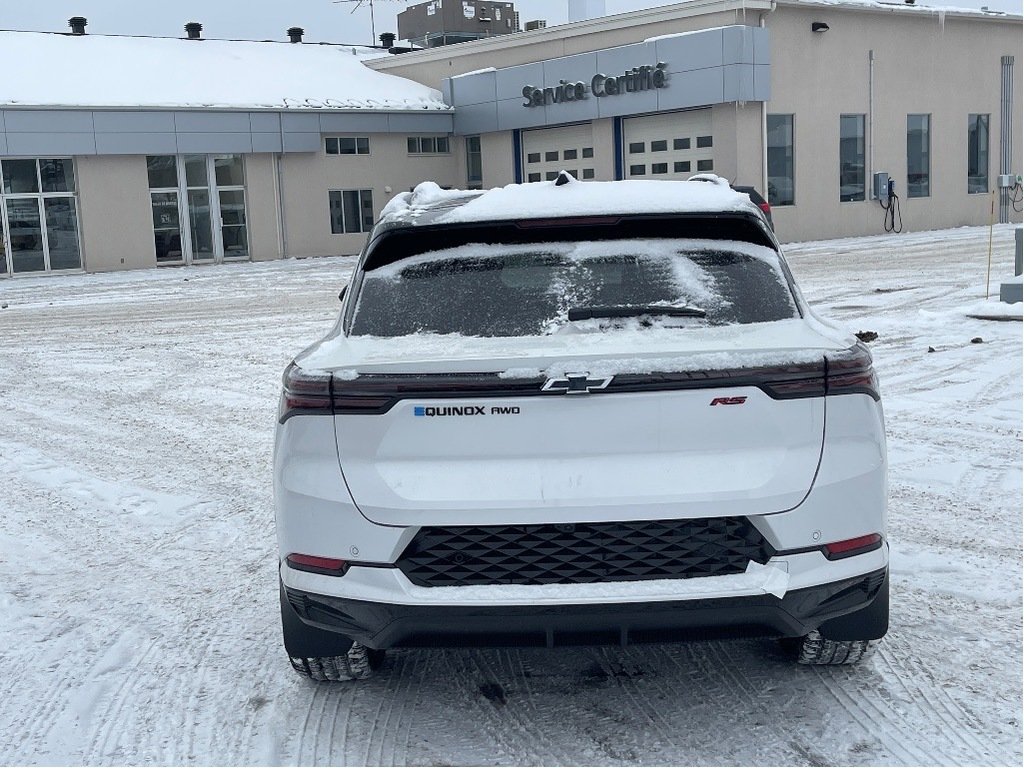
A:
323	20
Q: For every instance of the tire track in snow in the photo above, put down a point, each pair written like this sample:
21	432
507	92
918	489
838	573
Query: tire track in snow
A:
110	722
863	710
951	721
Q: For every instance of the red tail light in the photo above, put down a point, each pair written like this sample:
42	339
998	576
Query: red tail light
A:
837	550
852	373
766	208
318	393
327	566
305	392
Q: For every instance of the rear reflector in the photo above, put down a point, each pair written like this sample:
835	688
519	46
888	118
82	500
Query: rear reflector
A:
325	565
766	208
850	547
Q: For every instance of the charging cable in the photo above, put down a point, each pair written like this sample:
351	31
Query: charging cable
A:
892	219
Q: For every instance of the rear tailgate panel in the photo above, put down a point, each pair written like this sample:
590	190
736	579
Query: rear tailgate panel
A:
716	451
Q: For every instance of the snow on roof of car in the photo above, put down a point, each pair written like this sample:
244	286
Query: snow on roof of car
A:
118	71
544	199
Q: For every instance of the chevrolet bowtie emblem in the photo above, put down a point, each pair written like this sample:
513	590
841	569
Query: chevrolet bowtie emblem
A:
576	384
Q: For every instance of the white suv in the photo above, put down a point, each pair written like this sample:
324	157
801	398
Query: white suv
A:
578	413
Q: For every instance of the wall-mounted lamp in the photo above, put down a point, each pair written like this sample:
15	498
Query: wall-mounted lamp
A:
819	26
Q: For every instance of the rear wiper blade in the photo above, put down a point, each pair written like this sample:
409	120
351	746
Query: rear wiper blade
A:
586	313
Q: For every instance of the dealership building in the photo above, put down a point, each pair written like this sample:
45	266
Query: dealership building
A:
129	152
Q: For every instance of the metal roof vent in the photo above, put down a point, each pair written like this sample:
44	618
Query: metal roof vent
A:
77	24
192	29
387	39
295	34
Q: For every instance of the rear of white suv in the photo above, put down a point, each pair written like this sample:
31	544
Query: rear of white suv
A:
568	413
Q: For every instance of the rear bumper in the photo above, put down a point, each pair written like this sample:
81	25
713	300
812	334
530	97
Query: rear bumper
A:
387	625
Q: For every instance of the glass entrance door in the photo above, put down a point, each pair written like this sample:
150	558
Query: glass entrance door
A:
28	253
198	206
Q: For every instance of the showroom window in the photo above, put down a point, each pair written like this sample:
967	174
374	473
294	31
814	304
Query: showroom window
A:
977	153
781	187
38	216
351	210
918	155
427	145
198	207
347	145
851	158
474	163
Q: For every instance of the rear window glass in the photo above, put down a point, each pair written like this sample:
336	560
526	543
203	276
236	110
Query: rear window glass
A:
528	290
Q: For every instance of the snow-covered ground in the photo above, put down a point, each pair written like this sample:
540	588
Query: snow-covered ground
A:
138	587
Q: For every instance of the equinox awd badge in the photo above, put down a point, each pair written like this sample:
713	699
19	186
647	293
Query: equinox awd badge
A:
465	410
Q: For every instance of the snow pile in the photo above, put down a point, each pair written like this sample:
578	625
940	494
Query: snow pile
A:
572	198
992	309
111	71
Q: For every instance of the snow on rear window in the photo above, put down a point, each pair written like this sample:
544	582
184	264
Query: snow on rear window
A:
528	290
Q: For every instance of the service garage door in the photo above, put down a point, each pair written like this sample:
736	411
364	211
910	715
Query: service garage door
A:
549	150
675	145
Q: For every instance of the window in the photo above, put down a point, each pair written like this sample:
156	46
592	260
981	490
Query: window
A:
705	165
918	155
551	175
527	288
703	142
681	166
347	146
551	157
851	157
637	170
41	219
680	143
474	163
588	173
588	152
533	157
351	211
659	168
659	146
198	206
977	153
533	177
569	154
781	187
427	145
637	147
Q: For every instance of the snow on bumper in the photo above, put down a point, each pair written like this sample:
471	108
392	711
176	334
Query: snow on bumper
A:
779	576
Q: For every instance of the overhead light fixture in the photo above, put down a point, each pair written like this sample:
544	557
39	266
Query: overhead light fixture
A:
819	26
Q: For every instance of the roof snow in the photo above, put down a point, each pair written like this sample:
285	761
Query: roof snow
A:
572	198
154	72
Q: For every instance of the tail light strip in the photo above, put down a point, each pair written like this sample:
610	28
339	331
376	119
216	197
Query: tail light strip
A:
319	393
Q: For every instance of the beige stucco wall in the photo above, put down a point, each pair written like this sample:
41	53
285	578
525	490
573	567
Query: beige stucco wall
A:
923	64
114	213
261	207
307	177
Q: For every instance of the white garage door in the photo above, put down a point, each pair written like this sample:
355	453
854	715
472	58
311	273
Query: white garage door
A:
550	150
670	146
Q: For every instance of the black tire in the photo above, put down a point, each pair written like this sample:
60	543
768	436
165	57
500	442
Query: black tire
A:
354	665
820	651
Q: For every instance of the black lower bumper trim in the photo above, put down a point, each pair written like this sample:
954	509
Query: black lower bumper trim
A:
385	625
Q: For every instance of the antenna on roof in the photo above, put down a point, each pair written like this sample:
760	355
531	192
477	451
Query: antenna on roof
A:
356	5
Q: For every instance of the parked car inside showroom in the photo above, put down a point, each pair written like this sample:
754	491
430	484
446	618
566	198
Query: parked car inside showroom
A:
566	413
